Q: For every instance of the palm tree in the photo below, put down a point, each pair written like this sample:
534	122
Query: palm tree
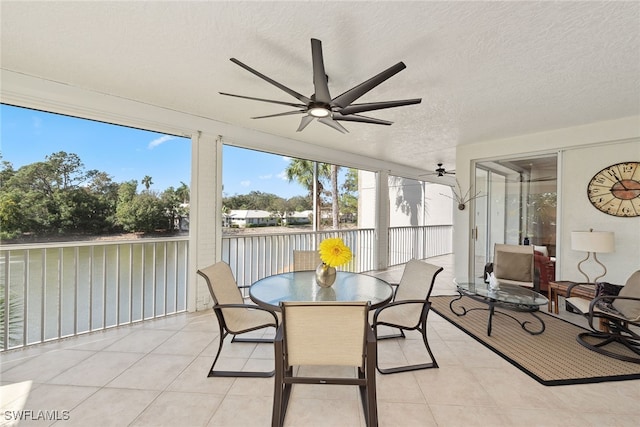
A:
335	210
183	192
302	172
146	181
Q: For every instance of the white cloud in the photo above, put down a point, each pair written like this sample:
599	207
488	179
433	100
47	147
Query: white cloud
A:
153	144
285	158
37	122
269	176
283	176
245	183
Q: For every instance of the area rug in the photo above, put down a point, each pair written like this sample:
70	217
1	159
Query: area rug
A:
552	358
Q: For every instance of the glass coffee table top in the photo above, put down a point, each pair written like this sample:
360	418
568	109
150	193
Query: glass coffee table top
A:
510	297
301	286
512	294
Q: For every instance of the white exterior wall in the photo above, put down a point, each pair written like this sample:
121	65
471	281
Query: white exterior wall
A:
411	202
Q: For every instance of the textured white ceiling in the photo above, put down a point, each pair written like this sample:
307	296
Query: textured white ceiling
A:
484	70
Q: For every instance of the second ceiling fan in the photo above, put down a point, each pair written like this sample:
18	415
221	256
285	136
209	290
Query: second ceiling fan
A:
321	106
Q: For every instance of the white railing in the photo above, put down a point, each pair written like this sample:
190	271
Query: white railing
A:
419	242
56	290
51	291
254	256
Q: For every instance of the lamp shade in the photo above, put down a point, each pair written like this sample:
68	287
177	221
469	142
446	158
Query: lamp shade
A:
592	241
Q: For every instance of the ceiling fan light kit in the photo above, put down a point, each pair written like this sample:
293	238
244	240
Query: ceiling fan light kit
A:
321	106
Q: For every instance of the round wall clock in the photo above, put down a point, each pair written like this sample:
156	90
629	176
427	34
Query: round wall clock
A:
615	190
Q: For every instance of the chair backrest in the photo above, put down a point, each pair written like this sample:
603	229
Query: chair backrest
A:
514	263
222	285
305	260
331	333
416	283
630	308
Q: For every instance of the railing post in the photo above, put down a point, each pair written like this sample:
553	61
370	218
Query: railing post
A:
381	249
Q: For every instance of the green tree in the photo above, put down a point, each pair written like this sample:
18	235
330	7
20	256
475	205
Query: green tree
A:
143	212
349	195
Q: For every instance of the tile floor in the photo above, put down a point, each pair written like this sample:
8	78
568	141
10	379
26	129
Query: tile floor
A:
154	374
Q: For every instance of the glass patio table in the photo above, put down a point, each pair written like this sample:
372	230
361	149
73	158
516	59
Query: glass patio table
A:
301	286
511	297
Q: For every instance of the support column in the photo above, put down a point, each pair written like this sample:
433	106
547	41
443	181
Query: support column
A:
205	215
382	221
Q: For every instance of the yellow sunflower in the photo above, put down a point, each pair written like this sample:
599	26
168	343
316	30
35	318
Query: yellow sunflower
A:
334	252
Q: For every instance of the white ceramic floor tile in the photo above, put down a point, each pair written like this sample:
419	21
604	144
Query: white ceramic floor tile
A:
97	370
140	341
152	372
111	407
176	408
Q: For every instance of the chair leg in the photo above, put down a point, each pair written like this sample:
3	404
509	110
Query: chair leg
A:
605	338
432	364
372	401
277	418
244	374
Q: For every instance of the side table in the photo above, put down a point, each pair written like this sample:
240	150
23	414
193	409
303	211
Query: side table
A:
559	287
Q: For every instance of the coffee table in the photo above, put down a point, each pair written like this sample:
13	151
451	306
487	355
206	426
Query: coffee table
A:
510	297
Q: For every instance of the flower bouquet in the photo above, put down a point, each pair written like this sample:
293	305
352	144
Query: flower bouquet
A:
333	253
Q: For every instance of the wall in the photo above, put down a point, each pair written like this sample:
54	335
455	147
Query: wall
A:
579	166
411	202
583	150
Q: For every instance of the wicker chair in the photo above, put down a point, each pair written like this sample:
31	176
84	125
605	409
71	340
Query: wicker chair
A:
325	334
234	316
620	315
409	309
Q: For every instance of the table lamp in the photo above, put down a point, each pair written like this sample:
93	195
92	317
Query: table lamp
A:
592	242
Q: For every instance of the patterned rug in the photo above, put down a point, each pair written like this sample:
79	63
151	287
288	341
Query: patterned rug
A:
553	357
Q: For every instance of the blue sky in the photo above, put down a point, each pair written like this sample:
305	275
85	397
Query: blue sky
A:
28	136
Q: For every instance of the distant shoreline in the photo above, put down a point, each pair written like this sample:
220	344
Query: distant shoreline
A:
226	231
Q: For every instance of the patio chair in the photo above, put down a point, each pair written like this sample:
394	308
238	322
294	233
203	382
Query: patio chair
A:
306	260
234	316
515	265
325	334
621	317
409	309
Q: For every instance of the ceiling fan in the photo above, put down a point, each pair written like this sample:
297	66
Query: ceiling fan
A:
440	171
321	106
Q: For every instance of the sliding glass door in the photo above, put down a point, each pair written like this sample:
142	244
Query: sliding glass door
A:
519	206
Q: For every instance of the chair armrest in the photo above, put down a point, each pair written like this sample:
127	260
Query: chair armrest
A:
394	286
571	286
395	303
248	306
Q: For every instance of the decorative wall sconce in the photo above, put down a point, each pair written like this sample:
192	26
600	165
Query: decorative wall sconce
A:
462	200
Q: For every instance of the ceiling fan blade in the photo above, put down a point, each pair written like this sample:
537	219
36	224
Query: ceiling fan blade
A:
288	113
304	122
356	92
290	104
332	123
358	108
319	74
361	119
291	92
